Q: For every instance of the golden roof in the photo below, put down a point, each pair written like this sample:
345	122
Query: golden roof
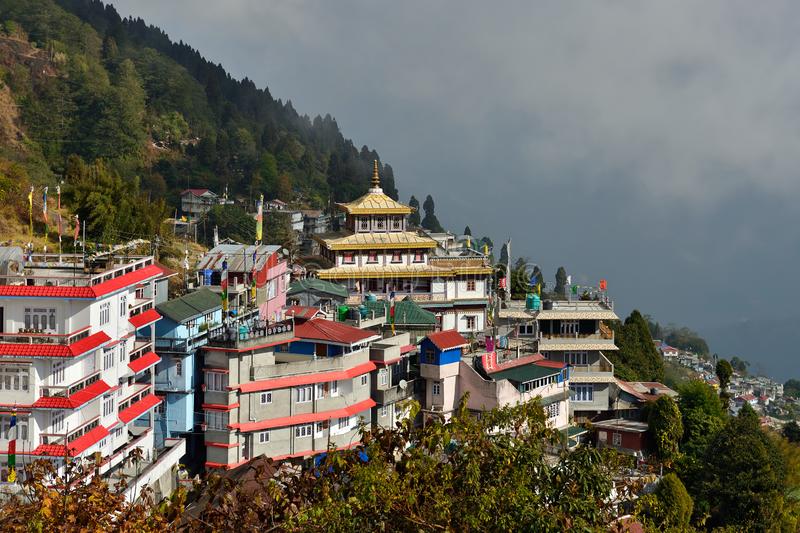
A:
576	314
546	346
375	202
375	241
391	271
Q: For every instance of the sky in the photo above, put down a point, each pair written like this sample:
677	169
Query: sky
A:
653	144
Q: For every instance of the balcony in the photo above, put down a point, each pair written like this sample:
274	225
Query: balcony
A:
251	333
395	393
572	337
287	364
40	336
184	346
601	368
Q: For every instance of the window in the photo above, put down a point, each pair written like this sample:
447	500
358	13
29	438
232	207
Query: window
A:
384	411
304	394
397	256
383	376
105	313
334	388
40	319
302	431
527	329
364	380
344	423
266	397
437	388
419	256
263	437
123	352
380	223
552	410
108	405
14	378
321	426
616	439
319	391
537	383
397	223
178	367
108	358
216	381
428	357
217	420
364	223
348	258
22	427
470	284
123	305
569	327
58	372
372	256
470	322
577	358
582	393
57	422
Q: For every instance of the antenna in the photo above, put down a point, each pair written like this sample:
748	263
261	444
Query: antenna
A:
403	384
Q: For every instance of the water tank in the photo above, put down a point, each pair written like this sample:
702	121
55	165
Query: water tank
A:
363	311
537	302
547	305
353	313
342	311
207	272
529	301
372	298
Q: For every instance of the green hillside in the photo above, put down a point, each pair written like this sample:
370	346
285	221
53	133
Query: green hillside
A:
79	84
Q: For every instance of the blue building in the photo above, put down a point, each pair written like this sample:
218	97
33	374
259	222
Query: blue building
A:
180	333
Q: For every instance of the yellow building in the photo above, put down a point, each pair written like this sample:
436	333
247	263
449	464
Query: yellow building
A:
378	254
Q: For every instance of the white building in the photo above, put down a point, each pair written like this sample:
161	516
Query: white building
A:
74	369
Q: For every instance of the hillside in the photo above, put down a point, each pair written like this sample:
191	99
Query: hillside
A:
79	84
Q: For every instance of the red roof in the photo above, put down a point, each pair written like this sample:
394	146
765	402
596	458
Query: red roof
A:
319	329
144	319
83	346
522	361
306	418
445	340
76	447
306	379
407	348
144	362
95	291
139	408
196	192
304	312
75	400
550	364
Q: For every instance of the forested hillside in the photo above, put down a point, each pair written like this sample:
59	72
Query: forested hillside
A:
79	84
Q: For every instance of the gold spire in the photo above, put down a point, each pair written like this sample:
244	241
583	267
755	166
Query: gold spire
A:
376	180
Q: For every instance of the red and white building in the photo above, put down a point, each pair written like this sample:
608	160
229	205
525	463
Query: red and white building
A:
73	366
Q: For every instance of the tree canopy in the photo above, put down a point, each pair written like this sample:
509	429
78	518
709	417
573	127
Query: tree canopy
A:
430	222
637	357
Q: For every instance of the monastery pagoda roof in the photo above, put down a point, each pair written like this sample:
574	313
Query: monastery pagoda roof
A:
398	271
366	241
375	202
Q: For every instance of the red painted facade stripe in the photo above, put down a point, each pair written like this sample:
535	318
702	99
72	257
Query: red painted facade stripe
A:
219	406
222	445
226	466
305	379
144	319
81	347
95	291
139	408
144	362
306	418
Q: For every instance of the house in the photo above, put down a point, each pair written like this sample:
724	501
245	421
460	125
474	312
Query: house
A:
275	205
181	332
627	436
256	276
409	317
78	364
668	352
197	202
284	391
394	380
739	401
316	293
378	254
440	358
302	313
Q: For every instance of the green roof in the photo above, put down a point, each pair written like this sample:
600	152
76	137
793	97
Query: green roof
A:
191	305
317	285
523	374
406	313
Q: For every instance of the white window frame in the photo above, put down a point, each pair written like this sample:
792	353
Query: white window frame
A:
583	393
265	398
304	394
216	381
436	388
616	439
334	388
365	380
383	377
304	431
263	437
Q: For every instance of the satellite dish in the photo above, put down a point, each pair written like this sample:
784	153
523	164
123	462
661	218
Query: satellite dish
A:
403	384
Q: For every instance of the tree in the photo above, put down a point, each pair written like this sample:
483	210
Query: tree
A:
739	365
430	222
637	355
702	414
670	506
743	476
792	431
792	388
232	222
561	283
414	218
467	231
686	339
724	373
666	427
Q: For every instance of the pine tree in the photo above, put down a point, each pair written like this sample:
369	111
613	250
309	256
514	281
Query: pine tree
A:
468	231
430	222
414	218
561	282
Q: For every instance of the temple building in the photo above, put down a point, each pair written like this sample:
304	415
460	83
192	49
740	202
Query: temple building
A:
378	254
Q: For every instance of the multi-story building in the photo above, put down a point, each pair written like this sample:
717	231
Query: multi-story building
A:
284	391
197	202
181	332
257	277
395	379
75	366
450	373
377	253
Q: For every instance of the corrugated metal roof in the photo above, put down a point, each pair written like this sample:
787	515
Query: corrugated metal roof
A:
523	374
192	305
318	285
240	257
406	312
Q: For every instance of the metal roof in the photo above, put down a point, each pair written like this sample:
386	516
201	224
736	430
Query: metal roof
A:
523	374
240	257
317	285
192	305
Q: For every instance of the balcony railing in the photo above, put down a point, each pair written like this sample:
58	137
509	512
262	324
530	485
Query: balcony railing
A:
39	336
599	335
250	333
602	365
